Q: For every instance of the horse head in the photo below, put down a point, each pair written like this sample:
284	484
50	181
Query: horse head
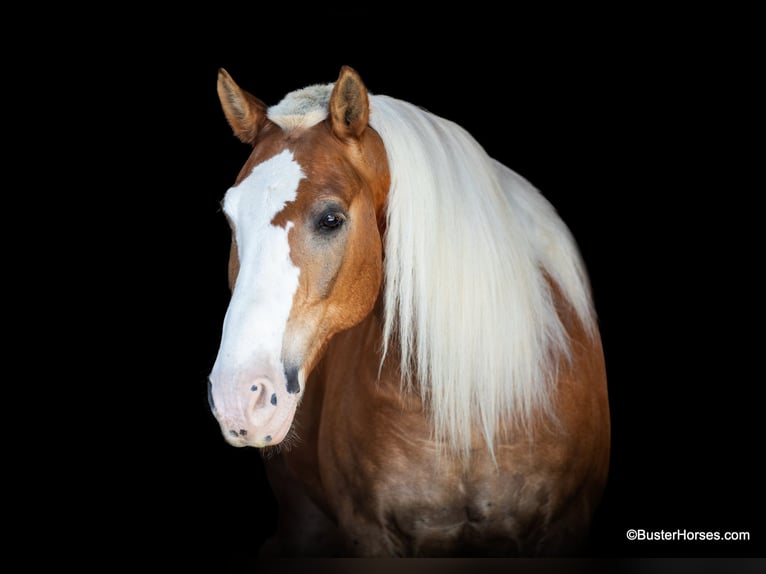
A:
305	213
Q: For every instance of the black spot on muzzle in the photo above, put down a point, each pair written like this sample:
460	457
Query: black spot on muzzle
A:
293	386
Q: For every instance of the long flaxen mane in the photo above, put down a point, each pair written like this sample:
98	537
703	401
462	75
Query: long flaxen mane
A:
470	250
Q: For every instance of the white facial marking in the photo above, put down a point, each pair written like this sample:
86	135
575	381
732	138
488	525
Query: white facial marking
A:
257	316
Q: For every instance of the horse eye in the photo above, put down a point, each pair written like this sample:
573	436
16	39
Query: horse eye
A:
330	221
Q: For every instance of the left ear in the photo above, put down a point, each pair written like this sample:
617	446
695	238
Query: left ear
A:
349	105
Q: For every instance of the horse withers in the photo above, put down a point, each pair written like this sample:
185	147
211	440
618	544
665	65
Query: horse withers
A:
411	337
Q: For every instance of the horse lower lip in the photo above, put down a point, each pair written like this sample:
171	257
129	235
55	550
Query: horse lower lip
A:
239	437
238	440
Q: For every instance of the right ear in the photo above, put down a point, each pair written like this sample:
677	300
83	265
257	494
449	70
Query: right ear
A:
245	113
349	105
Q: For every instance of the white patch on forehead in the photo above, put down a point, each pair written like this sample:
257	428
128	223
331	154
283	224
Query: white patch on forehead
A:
260	305
264	193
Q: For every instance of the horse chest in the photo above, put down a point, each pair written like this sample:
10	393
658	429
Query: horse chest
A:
416	508
398	504
379	479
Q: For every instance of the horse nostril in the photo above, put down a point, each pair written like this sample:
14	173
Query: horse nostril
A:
210	400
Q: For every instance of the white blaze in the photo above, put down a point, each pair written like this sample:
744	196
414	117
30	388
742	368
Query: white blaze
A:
255	321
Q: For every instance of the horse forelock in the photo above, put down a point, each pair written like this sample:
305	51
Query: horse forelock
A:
302	108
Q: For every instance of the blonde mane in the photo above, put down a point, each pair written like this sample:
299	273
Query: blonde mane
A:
470	246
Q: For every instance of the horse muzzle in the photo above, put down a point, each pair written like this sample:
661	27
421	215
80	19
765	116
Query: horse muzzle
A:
254	408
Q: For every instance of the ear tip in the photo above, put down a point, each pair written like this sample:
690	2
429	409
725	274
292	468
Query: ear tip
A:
347	70
223	75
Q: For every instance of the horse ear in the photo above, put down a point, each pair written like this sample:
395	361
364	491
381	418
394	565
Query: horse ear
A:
349	105
245	113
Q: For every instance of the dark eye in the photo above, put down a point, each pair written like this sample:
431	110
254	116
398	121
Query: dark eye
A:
330	220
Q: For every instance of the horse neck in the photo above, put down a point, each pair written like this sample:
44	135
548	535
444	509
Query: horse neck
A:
354	357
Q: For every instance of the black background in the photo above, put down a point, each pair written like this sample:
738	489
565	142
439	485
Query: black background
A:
636	131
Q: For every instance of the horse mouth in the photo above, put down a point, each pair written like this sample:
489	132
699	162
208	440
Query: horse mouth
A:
240	439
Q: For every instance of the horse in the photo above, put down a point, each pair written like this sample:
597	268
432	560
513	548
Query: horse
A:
411	339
